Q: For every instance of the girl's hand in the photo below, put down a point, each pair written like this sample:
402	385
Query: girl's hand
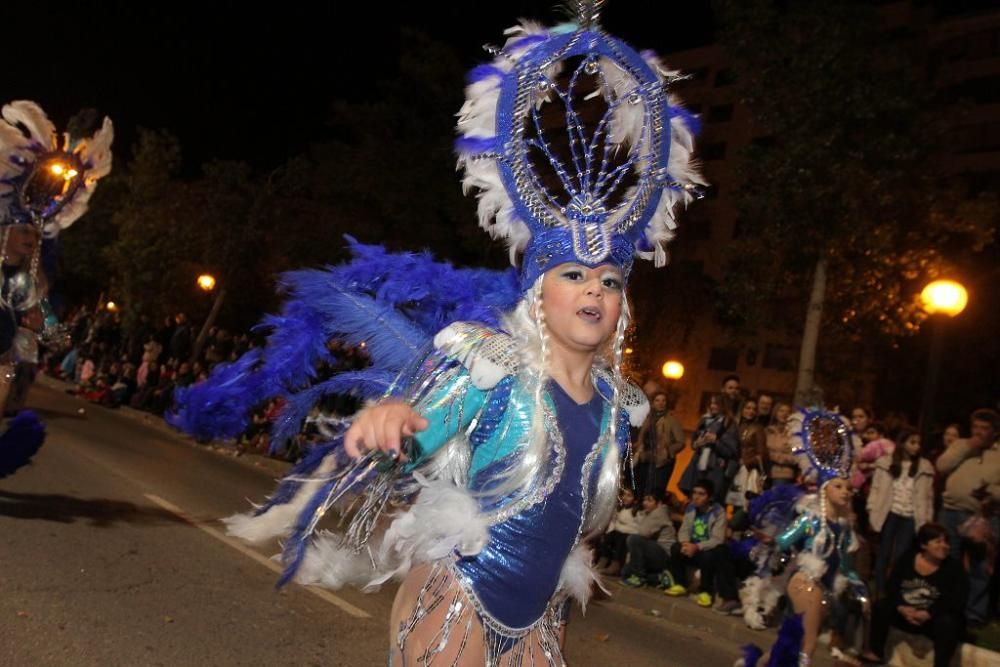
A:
383	427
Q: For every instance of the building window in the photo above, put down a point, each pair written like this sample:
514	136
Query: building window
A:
721	113
779	357
713	151
723	359
725	77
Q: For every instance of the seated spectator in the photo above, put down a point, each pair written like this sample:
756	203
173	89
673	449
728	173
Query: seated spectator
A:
701	543
612	550
647	556
926	595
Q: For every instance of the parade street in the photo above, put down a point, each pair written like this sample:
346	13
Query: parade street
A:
112	554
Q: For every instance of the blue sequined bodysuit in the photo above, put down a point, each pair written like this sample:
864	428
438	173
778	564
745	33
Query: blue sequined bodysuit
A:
516	574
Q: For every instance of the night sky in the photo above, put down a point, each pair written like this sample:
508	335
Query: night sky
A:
236	81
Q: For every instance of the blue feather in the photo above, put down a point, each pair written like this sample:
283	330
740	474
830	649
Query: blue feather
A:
475	145
23	438
751	655
483	72
785	651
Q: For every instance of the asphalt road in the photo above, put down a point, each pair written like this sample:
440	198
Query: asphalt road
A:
111	554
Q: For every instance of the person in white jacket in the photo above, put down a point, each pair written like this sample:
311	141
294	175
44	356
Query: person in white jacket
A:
900	502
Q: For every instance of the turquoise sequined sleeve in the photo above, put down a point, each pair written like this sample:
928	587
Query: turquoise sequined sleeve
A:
450	405
801	528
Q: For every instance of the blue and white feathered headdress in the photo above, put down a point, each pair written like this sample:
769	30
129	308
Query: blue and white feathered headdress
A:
826	439
46	180
558	180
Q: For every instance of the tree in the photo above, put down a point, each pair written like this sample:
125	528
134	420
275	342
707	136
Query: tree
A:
842	193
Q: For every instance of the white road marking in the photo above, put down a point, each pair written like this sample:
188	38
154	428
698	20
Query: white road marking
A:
263	560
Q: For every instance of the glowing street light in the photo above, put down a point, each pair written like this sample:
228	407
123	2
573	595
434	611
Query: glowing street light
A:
673	370
944	296
206	281
112	307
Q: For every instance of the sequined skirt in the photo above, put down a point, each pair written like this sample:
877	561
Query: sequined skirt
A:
437	620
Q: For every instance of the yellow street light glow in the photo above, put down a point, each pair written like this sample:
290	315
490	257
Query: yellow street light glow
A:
944	296
673	370
112	306
629	350
57	169
206	281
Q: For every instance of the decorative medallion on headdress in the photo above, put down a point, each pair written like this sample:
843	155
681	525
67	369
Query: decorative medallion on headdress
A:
826	439
575	146
45	180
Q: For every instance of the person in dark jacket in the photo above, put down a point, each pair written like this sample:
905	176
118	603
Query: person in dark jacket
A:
926	595
716	450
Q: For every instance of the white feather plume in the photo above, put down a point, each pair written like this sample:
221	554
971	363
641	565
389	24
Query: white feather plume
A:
578	575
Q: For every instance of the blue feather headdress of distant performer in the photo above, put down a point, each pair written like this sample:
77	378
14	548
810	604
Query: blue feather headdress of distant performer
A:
46	180
575	147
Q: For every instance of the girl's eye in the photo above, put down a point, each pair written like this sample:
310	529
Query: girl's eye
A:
573	274
612	283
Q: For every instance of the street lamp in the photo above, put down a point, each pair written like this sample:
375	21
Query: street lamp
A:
112	307
206	282
941	297
944	296
673	370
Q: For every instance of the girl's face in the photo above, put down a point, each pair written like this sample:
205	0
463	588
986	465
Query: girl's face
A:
870	434
781	413
749	410
838	493
581	305
713	407
951	434
859	420
660	403
912	446
628	498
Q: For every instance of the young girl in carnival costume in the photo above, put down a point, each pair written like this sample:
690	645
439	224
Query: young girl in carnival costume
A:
45	184
500	444
823	539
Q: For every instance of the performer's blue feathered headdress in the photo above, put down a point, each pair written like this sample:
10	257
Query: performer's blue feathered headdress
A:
44	180
559	180
826	439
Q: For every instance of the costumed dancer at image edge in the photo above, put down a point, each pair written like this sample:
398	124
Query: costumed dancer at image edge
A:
822	537
45	184
501	473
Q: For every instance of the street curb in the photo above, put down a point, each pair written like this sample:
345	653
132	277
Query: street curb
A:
273	467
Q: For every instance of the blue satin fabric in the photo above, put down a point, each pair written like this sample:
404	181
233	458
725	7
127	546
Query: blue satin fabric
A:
516	574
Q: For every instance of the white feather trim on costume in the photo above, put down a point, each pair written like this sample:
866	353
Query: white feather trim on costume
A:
277	520
578	575
759	597
443	520
812	565
31	116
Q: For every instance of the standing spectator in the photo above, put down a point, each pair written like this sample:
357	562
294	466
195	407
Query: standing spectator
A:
165	333
784	467
926	595
972	467
715	446
660	439
646	556
749	479
701	543
181	340
731	388
900	502
765	409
